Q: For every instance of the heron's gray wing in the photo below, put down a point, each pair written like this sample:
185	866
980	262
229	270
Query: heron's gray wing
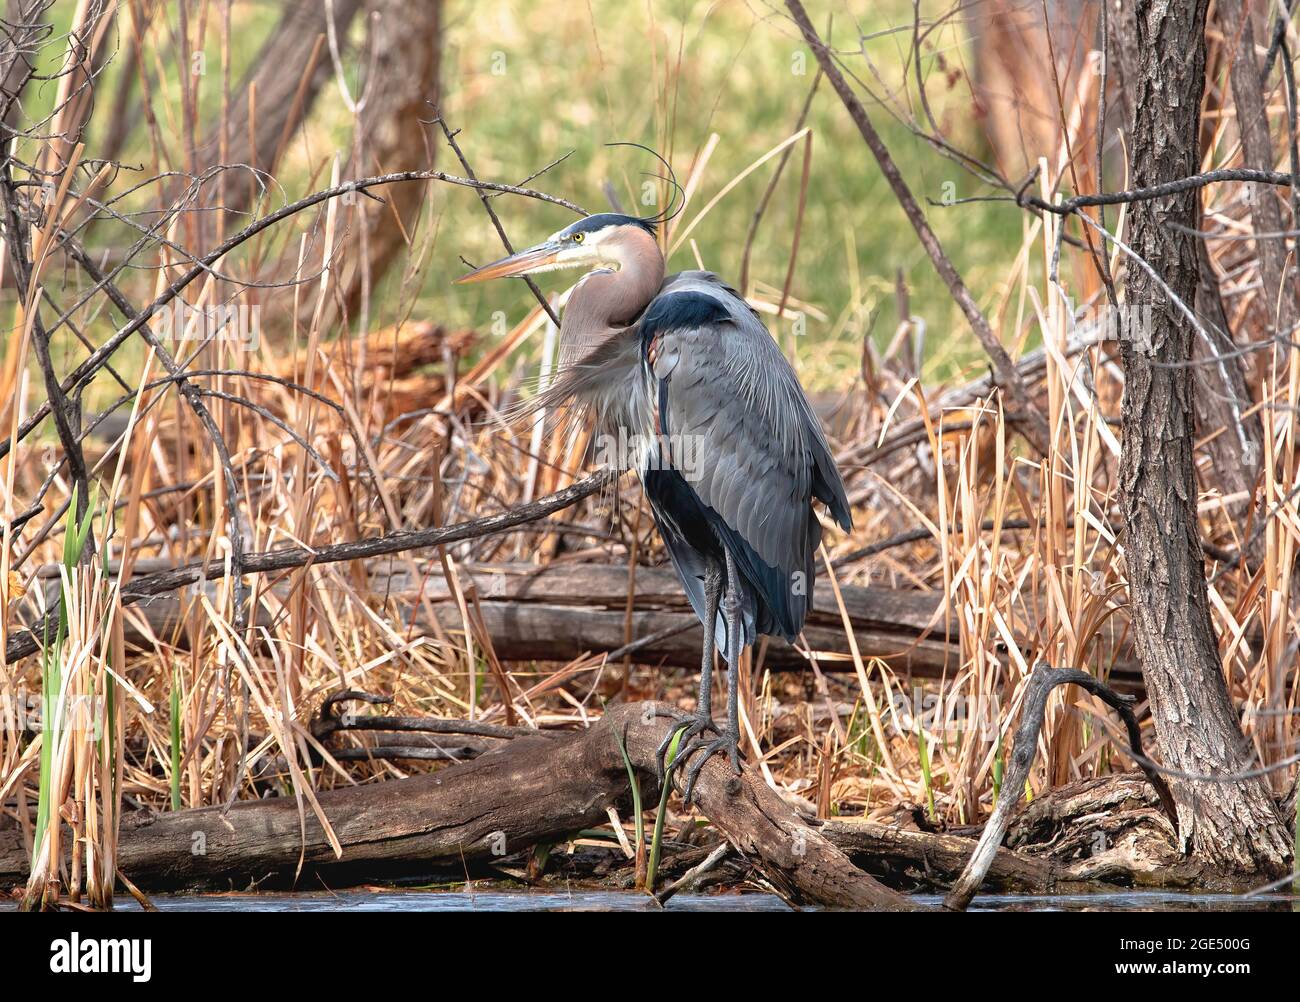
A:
741	433
739	426
765	373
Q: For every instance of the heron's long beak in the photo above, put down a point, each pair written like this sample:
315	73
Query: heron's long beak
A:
540	258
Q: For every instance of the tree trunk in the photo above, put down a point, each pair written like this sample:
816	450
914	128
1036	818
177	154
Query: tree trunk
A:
1276	301
1234	826
407	42
1222	391
289	71
1223	401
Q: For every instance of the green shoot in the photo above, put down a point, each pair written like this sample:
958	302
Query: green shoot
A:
656	842
636	796
924	754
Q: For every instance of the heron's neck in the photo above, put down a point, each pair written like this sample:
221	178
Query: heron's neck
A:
605	302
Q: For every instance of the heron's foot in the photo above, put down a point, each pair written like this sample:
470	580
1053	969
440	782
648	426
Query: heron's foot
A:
728	742
692	726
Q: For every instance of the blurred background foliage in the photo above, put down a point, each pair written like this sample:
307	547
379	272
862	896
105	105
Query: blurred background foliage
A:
529	83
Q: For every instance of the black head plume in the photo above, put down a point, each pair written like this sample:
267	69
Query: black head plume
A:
672	210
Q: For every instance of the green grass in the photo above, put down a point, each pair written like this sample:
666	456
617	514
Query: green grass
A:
53	709
656	841
638	812
738	80
923	754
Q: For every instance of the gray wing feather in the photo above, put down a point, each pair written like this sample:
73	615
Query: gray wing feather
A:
608	383
759	447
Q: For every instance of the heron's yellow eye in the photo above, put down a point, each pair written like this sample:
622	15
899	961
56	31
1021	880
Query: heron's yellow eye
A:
578	237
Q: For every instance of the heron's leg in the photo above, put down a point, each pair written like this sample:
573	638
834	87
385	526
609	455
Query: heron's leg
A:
729	740
703	718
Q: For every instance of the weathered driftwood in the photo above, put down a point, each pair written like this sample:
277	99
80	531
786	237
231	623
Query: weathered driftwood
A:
1109	831
902	857
906	857
1040	686
532	791
1113	829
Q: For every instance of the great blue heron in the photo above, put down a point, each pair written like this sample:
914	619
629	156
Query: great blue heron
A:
728	449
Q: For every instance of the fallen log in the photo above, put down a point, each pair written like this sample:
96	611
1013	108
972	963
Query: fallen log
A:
1086	837
1113	829
560	611
534	790
902	857
537	631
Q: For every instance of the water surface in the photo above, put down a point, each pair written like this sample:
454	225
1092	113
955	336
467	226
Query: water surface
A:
497	900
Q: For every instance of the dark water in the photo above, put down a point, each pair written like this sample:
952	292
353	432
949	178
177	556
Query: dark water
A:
630	901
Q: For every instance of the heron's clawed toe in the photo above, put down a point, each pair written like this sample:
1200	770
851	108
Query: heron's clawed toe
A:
690	730
728	742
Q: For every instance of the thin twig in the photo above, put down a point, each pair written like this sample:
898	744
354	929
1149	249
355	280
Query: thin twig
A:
1033	425
496	222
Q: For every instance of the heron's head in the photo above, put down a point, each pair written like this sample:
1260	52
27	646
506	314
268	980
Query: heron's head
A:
605	240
